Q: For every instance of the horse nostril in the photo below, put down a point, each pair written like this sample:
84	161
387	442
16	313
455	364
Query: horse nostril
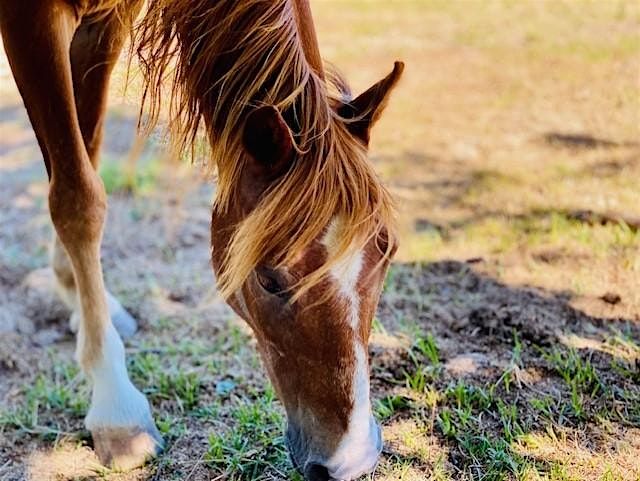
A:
316	472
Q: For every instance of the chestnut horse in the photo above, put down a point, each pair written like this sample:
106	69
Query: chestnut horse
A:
302	229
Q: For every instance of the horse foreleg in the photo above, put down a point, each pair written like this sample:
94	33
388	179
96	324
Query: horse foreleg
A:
37	36
95	48
65	285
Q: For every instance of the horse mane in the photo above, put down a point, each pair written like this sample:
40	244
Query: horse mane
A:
207	64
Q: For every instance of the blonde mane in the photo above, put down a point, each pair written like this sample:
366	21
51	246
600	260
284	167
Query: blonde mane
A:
209	63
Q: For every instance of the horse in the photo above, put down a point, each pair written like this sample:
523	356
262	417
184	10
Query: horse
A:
302	229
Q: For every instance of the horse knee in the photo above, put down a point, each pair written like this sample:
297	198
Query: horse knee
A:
78	208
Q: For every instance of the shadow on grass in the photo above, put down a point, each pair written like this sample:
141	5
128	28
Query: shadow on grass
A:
583	141
587	216
514	379
423	180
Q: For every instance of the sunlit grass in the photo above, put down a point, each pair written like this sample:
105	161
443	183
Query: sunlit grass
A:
139	178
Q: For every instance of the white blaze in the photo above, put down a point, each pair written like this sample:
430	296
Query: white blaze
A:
355	446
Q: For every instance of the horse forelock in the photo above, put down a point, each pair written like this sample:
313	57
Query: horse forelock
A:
208	64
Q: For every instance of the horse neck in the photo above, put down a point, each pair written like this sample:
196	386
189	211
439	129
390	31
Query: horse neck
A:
308	37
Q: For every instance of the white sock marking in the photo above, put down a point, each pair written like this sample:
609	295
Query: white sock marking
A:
115	401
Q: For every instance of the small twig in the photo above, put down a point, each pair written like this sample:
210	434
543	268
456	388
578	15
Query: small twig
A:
197	463
5	465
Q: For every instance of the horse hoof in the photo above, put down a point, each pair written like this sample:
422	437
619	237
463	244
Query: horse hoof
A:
121	319
74	322
126	448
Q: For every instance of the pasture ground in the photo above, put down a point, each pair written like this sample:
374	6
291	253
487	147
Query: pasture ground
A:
507	342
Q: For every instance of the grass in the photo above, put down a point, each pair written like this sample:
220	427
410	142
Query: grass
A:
46	402
470	421
386	407
493	424
165	384
490	425
139	179
254	447
576	371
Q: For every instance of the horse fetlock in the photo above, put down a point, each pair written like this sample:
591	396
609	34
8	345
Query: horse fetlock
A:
124	323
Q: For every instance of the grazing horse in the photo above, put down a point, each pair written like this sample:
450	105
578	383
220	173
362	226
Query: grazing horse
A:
302	229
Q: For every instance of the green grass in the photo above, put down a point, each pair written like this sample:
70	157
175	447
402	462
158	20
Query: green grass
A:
47	400
509	374
467	418
428	348
139	179
386	407
576	371
161	369
420	374
252	447
486	423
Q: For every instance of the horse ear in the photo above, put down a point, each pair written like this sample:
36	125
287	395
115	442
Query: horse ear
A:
268	140
365	110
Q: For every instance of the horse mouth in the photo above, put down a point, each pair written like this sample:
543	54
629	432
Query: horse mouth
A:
311	470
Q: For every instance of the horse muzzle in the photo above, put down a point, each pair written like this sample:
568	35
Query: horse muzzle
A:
350	461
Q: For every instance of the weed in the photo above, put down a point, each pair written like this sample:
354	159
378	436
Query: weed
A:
511	371
544	405
511	427
417	380
117	178
427	347
254	444
60	391
469	396
446	423
421	374
578	373
389	405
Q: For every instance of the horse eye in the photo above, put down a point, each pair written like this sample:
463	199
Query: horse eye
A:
269	282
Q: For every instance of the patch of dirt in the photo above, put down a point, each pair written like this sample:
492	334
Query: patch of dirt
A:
456	301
